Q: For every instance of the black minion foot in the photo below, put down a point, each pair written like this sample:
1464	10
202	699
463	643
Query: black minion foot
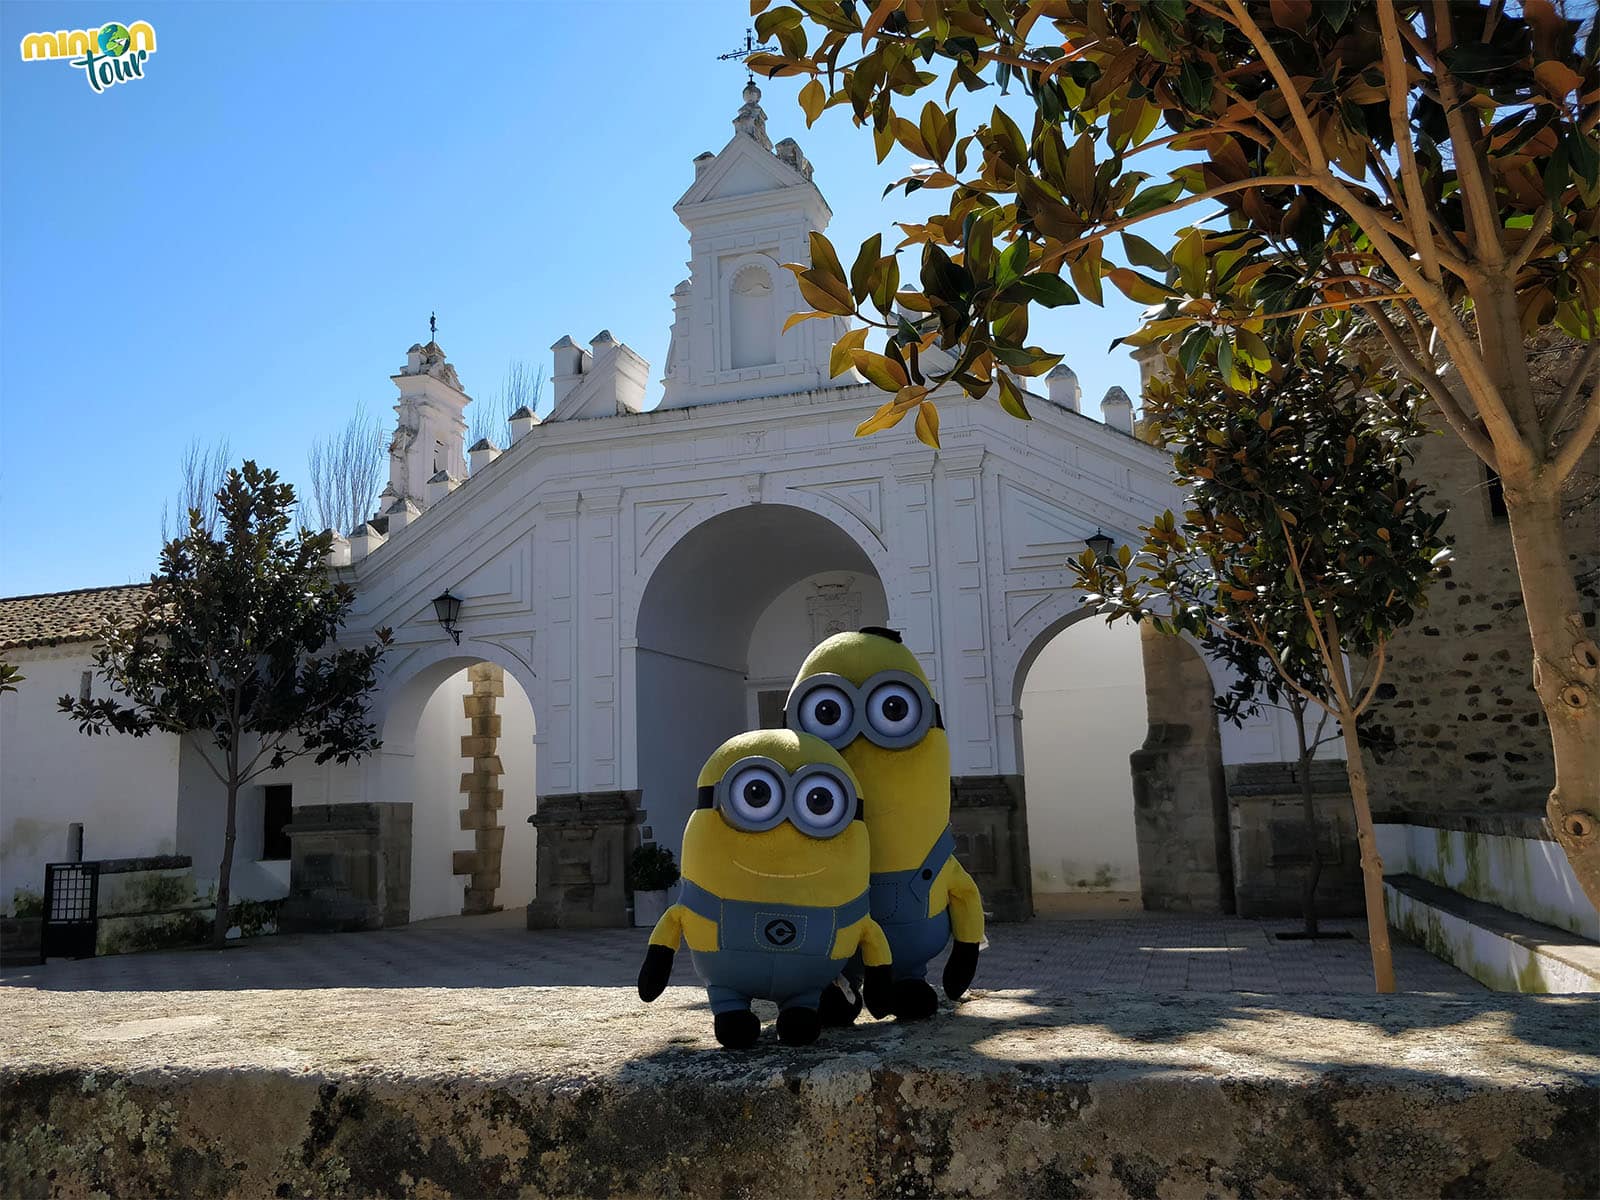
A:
799	1026
737	1030
837	1008
914	1000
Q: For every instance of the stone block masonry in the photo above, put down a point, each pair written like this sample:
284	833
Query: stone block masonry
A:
481	787
126	1093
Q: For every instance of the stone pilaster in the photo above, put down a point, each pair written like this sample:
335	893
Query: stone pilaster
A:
481	787
988	814
581	865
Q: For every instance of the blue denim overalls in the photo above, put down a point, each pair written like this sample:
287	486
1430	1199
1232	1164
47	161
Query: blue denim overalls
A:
780	952
900	905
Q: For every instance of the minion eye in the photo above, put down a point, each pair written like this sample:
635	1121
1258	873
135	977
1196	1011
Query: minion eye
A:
894	710
822	805
827	712
755	796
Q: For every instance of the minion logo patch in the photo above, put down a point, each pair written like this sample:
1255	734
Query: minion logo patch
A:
780	933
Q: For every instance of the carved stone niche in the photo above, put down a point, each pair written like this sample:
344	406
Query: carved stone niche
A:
580	872
349	867
989	816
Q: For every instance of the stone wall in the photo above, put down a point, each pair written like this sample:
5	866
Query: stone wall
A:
127	1094
482	788
1180	806
1458	689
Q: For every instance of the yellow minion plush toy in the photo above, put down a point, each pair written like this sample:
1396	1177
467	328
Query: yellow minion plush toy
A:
866	695
773	901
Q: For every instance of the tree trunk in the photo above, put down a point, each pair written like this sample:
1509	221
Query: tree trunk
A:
1371	864
1308	894
1566	674
1314	868
219	927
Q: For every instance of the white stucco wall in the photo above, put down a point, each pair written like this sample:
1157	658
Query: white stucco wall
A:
123	789
436	803
786	633
517	755
1083	714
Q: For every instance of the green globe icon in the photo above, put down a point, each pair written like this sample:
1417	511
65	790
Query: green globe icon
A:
114	39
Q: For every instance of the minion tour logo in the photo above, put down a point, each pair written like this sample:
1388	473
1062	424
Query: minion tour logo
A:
115	53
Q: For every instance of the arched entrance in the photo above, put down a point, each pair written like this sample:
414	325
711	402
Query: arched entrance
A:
1083	716
458	738
1121	756
727	617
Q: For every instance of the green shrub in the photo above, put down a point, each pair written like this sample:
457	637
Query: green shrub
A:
25	902
652	869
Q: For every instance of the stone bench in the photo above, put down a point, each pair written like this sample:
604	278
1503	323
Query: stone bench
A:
563	1091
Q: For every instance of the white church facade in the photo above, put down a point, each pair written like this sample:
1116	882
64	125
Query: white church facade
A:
641	584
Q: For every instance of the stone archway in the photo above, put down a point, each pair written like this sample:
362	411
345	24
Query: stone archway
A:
1178	793
697	615
459	732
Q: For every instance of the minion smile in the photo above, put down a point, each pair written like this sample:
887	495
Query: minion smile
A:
774	874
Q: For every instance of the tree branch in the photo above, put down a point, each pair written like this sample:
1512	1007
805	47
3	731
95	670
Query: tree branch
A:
1565	406
1412	199
1449	406
1566	461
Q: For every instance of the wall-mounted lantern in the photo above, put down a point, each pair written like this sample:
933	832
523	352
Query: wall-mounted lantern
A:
1100	544
447	608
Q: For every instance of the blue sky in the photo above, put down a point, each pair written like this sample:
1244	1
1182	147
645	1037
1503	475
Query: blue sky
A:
243	243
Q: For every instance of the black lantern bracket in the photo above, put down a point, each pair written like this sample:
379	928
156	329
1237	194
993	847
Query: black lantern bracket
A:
447	608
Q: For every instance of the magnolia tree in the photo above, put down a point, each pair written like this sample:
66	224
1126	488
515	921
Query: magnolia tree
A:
1431	164
1304	543
234	648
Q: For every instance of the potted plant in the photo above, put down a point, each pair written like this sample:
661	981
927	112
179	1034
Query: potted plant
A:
21	933
651	872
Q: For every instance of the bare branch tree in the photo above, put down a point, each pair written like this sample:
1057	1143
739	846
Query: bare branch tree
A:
201	472
491	414
346	471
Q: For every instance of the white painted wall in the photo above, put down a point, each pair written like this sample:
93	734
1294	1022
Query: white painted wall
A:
785	633
1083	714
123	789
517	755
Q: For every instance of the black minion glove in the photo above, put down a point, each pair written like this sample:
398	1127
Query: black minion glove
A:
655	972
959	968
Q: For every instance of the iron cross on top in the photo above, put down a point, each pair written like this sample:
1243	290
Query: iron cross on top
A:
750	47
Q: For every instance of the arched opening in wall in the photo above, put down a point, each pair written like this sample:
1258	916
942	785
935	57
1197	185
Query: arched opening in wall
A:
1122	764
459	747
726	619
752	319
1083	716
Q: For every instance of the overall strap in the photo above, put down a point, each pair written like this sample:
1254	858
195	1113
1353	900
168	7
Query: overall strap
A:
849	913
699	901
920	883
940	853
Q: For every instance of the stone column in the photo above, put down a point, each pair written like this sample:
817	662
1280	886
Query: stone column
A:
1180	801
349	867
481	786
989	818
581	862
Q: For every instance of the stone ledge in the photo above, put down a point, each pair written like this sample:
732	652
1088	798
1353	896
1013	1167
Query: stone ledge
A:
1505	824
558	1091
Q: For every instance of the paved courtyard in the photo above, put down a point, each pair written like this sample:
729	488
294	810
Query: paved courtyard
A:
1148	953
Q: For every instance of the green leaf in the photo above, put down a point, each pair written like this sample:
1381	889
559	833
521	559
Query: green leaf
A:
1044	288
1011	398
1142	254
865	267
1153	198
823	256
812	98
1012	263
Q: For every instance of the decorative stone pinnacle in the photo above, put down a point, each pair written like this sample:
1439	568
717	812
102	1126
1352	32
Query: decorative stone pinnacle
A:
752	121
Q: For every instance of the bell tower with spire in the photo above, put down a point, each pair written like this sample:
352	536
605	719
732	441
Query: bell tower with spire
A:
430	425
751	209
